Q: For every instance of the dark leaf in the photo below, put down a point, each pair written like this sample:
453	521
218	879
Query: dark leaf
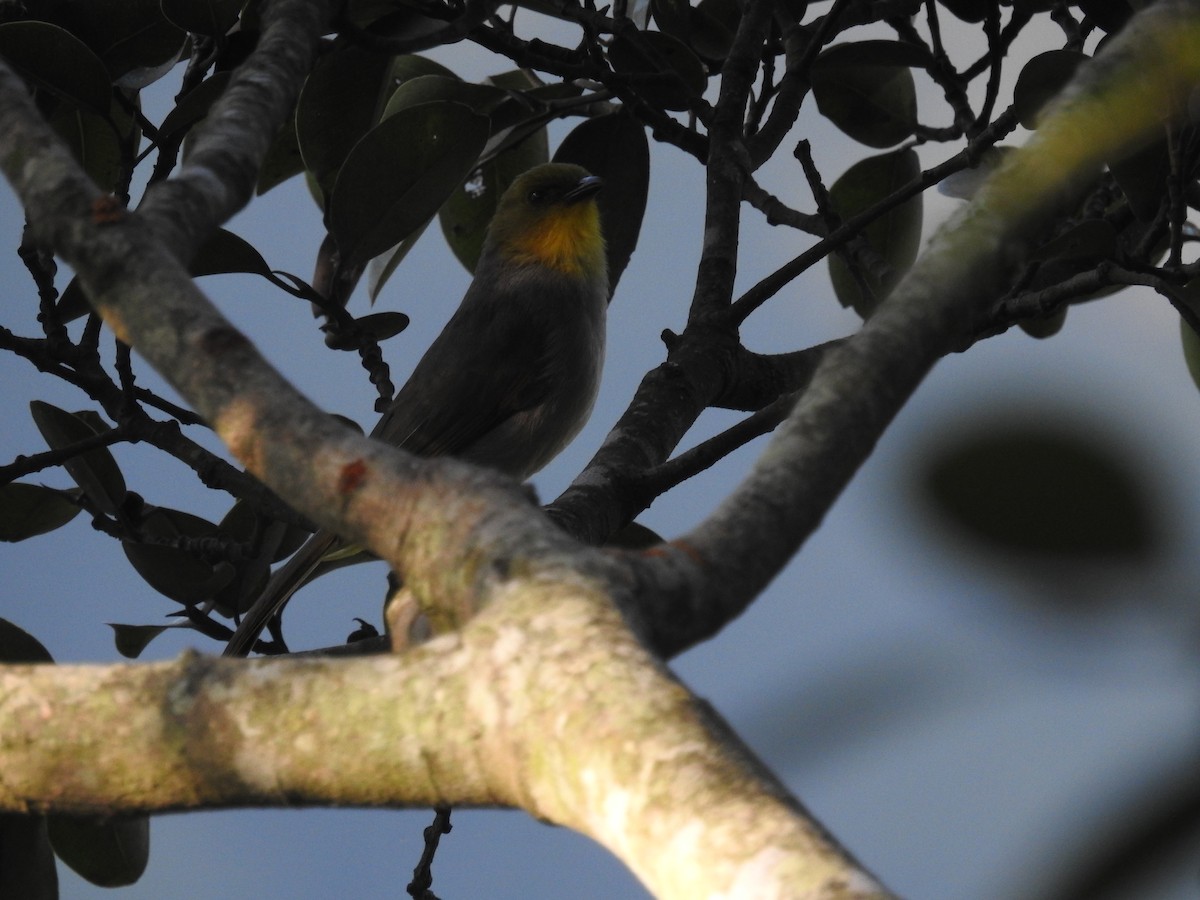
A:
131	640
194	105
866	89
614	147
339	103
895	236
55	60
18	646
27	510
398	176
210	17
27	866
95	471
107	851
1142	176
224	252
377	326
1042	79
466	215
671	75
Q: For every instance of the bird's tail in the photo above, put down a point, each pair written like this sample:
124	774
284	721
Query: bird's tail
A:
288	579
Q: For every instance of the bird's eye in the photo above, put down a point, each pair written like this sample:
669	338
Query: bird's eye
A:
538	195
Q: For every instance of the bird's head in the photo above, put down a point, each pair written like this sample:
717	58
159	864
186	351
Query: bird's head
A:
548	217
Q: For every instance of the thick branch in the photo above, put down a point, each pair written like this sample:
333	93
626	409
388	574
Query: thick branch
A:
545	702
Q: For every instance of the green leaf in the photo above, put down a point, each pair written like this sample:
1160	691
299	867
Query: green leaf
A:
481	98
614	146
1041	80
339	103
398	176
55	60
95	471
866	89
465	216
18	646
210	17
667	72
132	640
105	850
27	510
1042	490
895	236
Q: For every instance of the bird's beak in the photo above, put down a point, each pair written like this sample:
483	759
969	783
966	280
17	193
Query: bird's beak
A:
587	186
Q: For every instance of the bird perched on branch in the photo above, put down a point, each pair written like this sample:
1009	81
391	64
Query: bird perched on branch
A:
513	375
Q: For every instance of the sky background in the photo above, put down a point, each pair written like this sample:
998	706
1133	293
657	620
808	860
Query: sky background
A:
965	725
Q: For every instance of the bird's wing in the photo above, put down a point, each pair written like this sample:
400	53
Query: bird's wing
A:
444	409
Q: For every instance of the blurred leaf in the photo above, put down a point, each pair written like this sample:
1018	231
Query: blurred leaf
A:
55	60
27	868
131	640
107	851
339	103
95	471
614	146
1041	80
18	646
466	215
27	510
1043	490
673	75
209	17
895	236
866	89
398	176
377	326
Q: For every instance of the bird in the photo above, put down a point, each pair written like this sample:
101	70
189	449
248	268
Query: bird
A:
513	376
